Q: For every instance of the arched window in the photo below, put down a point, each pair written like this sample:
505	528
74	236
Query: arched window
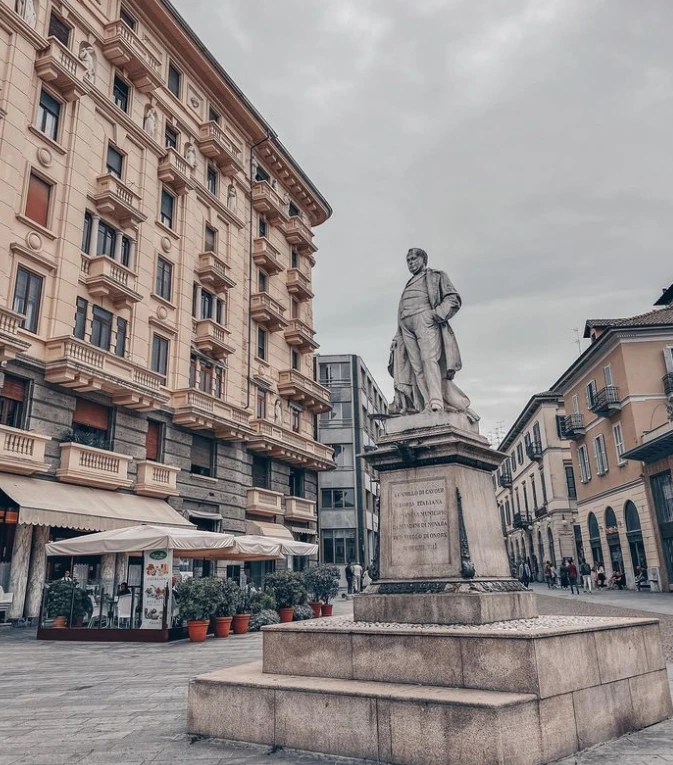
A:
610	519
634	534
594	533
595	539
631	517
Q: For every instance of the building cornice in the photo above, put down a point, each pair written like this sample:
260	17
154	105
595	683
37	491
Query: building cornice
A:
609	492
528	412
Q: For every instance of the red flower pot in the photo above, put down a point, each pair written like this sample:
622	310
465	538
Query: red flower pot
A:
240	624
316	607
222	626
59	622
198	630
286	614
327	609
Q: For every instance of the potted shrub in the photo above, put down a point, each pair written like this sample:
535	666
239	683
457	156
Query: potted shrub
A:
67	602
228	595
241	619
197	601
262	601
287	588
301	613
262	618
323	582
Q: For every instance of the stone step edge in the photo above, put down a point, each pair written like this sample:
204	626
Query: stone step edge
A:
251	676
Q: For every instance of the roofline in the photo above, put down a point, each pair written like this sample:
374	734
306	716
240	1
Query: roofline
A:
534	403
266	127
666	297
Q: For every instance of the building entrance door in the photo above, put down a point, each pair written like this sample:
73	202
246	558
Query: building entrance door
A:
662	493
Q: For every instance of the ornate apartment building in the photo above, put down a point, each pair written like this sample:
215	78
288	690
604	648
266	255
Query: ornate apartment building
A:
155	295
535	486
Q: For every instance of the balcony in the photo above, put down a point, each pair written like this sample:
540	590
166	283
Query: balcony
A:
213	272
264	502
267	312
156	480
505	479
11	345
266	255
299	285
300	336
293	448
201	411
534	450
212	338
540	512
21	451
105	278
294	386
175	172
267	201
115	198
89	466
667	381
215	145
574	426
300	509
75	364
61	69
606	402
518	521
123	47
299	235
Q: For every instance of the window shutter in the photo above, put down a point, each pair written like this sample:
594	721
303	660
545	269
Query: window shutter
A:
153	441
91	414
202	451
13	388
37	201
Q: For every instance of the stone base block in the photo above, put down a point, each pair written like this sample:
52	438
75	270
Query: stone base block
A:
444	607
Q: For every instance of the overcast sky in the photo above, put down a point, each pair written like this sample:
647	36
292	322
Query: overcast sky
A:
525	144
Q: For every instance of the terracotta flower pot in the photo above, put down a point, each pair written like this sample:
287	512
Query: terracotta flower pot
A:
327	609
240	624
198	630
59	622
286	614
222	625
316	607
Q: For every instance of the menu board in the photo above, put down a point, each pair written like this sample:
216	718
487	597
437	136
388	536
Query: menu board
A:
157	570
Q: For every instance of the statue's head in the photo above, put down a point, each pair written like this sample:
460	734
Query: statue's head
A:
417	260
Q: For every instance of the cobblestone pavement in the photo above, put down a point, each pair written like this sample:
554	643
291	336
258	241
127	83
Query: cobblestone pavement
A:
125	704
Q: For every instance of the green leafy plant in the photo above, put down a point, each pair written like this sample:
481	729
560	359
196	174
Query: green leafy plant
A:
69	600
323	582
197	599
244	603
302	612
287	588
227	593
262	601
264	617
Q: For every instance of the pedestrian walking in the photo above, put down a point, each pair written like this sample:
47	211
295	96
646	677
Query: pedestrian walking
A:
357	577
349	577
585	571
572	576
548	575
524	573
601	576
564	574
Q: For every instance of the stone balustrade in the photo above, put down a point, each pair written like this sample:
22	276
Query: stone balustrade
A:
22	451
156	480
264	502
90	466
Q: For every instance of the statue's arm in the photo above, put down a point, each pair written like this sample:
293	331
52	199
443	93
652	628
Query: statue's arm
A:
450	299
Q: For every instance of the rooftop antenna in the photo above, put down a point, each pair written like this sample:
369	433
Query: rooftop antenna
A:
577	340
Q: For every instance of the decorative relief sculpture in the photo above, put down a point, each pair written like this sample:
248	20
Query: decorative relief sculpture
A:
26	9
150	122
424	356
88	58
190	156
278	412
232	200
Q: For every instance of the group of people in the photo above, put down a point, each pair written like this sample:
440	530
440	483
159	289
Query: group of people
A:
357	578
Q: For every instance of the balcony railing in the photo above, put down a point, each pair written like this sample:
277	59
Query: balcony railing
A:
266	256
294	386
541	511
212	338
156	480
105	278
300	509
89	466
300	335
505	479
115	198
534	450
175	172
267	312
264	502
215	145
214	272
11	345
299	285
294	448
299	235
574	426
61	69
518	521
123	47
201	411
606	401
267	201
667	381
75	364
22	451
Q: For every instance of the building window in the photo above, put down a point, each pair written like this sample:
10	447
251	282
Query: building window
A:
519	453
260	404
154	441
262	281
91	424
171	137
167	208
261	343
126	17
662	494
338	545
13	394
294	356
261	472
336	499
585	467
293	210
619	442
343	456
600	455
213	116
262	227
38	200
59	29
203	456
81	309
341	410
212	176
561	427
295	419
533	489
164	278
120	337
126	252
160	355
590	393
27	297
570	480
294	309
86	232
101	328
49	115
120	94
174	81
297	482
107	239
294	259
114	164
335	374
261	174
210	239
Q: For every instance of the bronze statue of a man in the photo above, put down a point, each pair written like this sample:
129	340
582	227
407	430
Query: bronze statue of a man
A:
424	357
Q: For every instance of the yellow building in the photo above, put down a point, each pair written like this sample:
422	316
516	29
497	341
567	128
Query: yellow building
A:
156	321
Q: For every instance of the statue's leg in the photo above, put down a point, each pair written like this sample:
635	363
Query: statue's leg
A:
430	348
408	329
